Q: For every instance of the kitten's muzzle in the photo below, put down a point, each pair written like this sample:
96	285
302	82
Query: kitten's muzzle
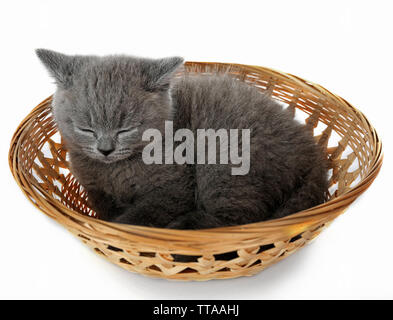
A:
105	146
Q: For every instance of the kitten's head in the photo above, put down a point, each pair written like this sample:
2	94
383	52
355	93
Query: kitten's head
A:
102	105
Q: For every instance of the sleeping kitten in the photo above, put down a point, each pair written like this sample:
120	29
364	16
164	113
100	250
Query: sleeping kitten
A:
103	105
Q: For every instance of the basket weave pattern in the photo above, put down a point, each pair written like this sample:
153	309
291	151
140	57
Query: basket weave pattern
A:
38	161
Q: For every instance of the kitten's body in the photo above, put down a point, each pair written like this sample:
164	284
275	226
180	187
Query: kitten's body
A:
287	169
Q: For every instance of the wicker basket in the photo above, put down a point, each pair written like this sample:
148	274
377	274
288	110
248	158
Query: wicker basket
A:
38	161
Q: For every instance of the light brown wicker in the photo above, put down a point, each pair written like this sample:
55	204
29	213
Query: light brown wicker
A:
38	161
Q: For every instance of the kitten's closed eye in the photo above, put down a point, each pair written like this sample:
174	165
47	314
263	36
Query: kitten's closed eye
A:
86	131
127	131
122	132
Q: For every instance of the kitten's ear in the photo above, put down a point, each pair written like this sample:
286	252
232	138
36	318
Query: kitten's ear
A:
163	72
62	67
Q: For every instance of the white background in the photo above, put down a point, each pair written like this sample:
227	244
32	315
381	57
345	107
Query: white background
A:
345	46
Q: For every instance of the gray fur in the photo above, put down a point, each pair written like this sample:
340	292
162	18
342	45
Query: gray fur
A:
118	97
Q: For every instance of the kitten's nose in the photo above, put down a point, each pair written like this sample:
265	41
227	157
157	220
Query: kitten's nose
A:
105	152
105	146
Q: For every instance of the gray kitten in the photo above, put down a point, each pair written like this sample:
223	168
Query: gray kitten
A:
103	105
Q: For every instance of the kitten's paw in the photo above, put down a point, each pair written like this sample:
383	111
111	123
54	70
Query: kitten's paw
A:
182	223
194	220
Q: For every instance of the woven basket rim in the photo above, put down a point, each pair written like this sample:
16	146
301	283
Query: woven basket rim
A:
298	221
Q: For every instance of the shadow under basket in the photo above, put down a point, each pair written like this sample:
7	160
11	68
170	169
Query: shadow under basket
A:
38	161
